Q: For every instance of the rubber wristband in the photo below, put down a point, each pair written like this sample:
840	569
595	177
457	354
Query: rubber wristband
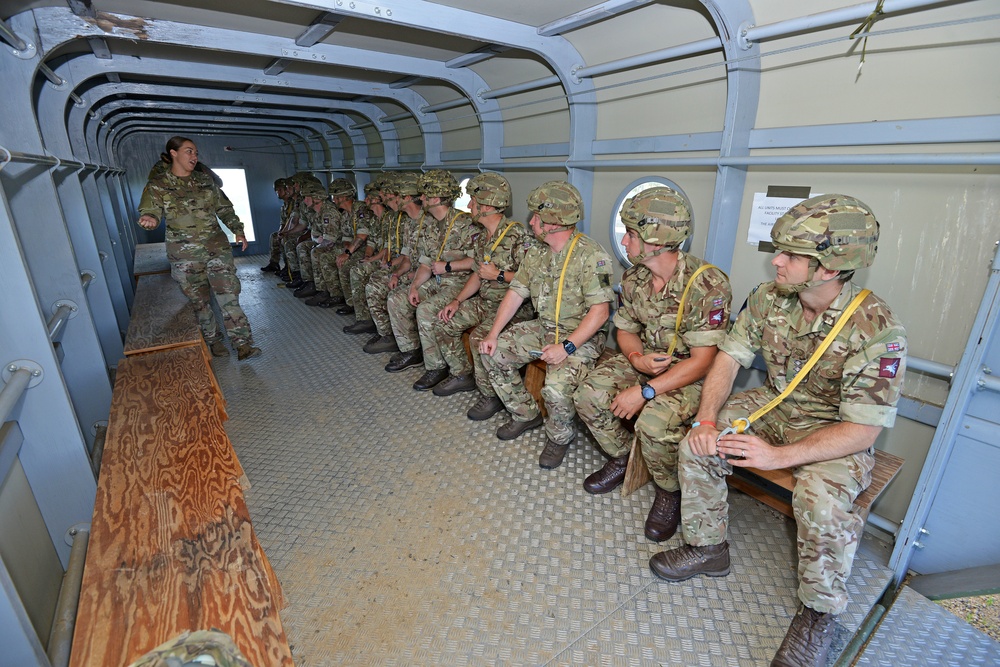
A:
631	353
704	423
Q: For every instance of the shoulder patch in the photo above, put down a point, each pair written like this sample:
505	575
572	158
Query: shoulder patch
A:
715	317
888	367
601	262
892	347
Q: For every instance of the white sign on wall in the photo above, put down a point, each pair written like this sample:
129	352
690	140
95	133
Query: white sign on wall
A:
764	212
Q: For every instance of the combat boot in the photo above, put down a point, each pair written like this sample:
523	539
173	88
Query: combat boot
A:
334	301
430	379
664	515
307	289
270	267
317	299
247	350
362	327
455	384
514	428
218	348
485	407
552	454
607	478
807	641
345	310
296	281
688	561
405	360
381	344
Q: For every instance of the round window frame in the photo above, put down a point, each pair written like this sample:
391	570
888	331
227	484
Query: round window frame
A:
616	223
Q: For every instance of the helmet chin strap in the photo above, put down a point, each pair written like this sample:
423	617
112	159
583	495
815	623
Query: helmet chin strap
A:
798	288
642	256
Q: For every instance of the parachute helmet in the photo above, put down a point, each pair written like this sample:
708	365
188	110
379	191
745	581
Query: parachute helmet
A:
556	203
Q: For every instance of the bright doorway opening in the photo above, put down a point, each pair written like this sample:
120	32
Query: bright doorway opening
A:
234	184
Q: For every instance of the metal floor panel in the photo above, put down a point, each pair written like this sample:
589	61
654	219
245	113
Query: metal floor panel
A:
405	534
917	632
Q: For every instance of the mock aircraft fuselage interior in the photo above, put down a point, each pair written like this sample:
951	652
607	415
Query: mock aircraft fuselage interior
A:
129	128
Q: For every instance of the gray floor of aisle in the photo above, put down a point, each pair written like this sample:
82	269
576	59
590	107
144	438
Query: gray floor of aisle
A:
405	534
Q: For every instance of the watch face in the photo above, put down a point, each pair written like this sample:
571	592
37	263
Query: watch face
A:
648	392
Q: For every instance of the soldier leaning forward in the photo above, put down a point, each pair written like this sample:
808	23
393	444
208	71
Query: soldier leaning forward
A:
568	279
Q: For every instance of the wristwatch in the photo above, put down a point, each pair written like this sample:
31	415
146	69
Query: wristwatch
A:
500	277
648	392
447	267
569	346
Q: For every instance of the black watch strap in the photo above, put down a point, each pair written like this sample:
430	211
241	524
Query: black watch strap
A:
501	278
447	267
569	346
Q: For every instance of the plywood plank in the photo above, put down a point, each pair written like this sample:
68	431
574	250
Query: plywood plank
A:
162	317
172	547
150	258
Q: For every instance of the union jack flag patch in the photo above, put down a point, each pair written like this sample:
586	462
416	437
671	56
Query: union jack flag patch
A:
893	347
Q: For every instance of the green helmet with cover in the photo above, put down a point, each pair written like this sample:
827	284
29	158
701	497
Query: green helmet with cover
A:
556	203
439	183
839	231
405	183
659	215
489	189
342	187
312	189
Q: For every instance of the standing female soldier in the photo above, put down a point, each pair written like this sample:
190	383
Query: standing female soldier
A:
201	260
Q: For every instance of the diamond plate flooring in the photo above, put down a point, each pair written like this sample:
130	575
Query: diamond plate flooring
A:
917	632
405	534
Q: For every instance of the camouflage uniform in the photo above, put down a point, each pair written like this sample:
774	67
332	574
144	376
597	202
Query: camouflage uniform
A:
480	310
454	233
327	236
291	242
192	648
201	259
587	283
377	290
652	315
364	272
857	380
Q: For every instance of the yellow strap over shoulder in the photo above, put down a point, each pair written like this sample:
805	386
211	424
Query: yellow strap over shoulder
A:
680	306
743	423
562	279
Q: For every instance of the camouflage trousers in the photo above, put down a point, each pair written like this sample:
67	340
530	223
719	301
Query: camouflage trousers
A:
406	319
476	316
827	530
275	247
199	279
361	274
344	273
291	257
659	427
303	251
324	263
377	295
561	381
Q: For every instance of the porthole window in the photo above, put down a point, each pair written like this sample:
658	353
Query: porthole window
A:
634	188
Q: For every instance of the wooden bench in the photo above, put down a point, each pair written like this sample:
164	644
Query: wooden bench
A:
774	487
172	547
163	319
150	258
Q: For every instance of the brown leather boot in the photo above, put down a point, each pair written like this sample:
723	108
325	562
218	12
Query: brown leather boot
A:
688	561
807	641
607	478
664	515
